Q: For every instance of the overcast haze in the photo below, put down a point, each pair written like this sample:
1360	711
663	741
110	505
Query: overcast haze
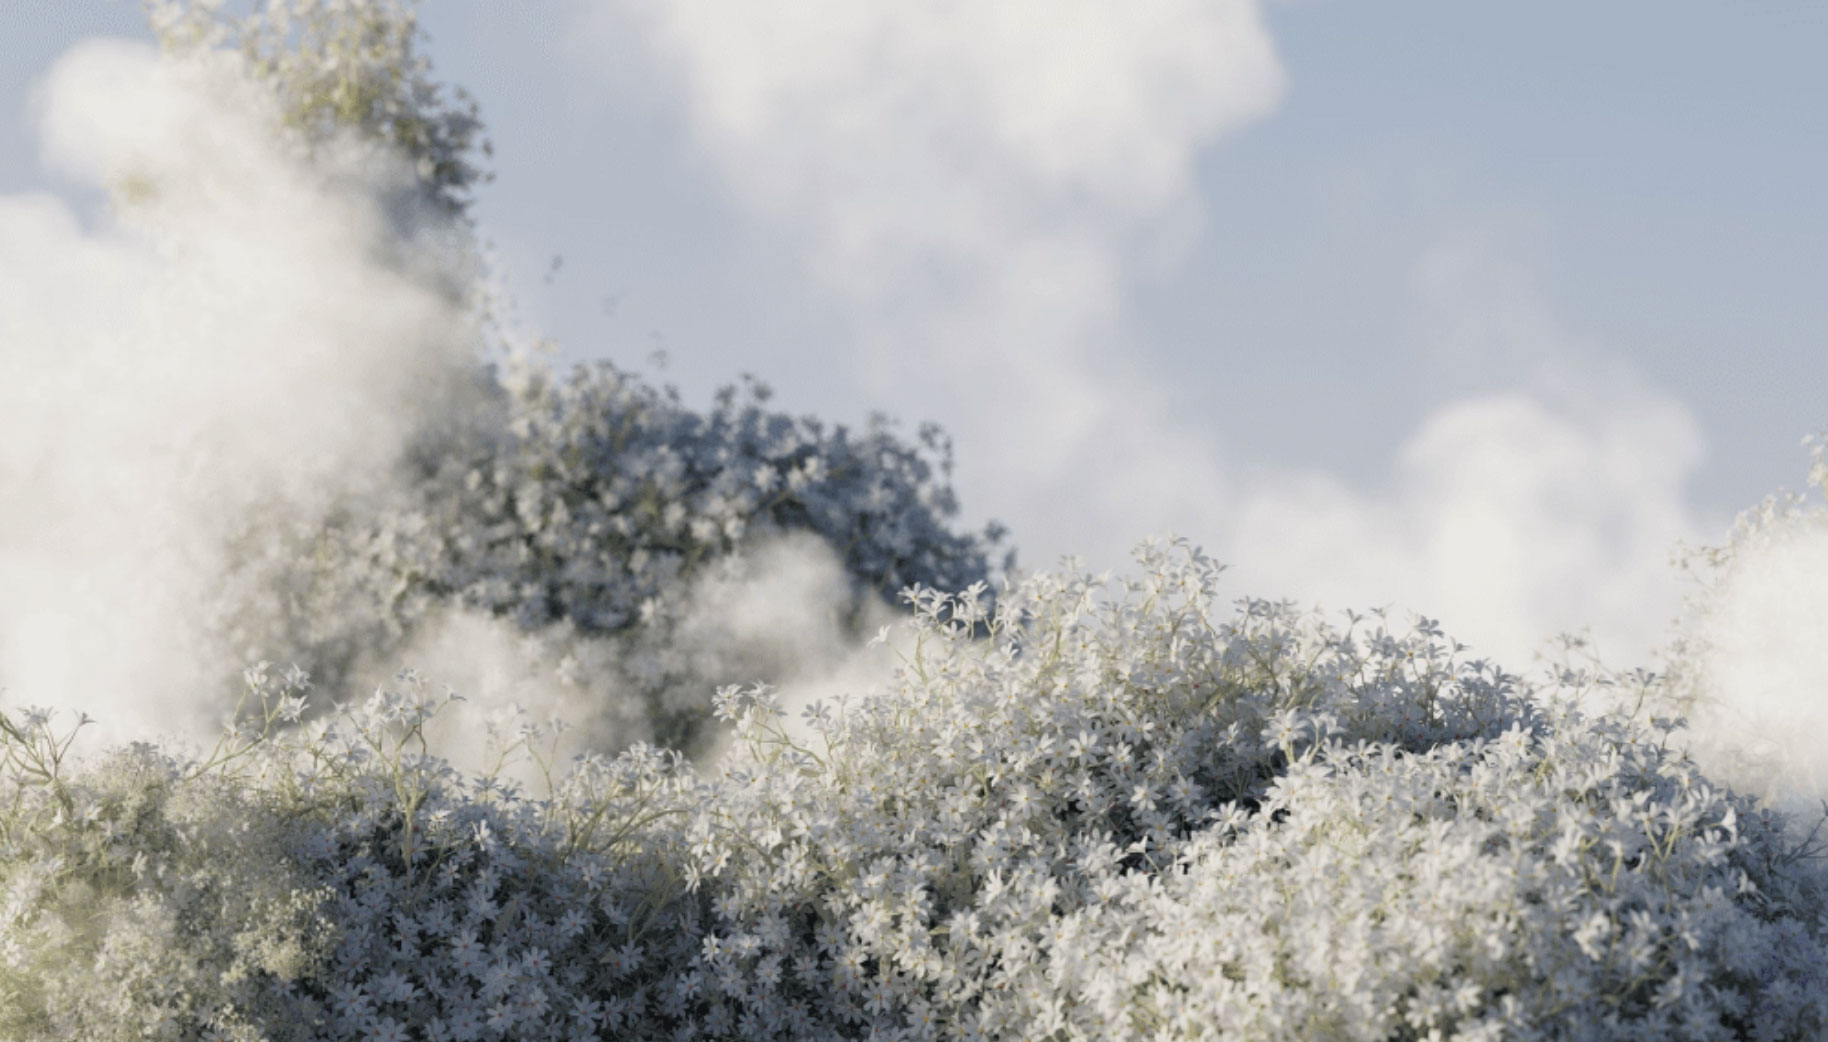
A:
1466	308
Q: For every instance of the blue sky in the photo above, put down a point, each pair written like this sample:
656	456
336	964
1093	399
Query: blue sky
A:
1473	308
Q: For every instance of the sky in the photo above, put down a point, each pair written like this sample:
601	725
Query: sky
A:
1471	309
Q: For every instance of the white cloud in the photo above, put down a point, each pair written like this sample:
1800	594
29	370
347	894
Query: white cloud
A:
1512	518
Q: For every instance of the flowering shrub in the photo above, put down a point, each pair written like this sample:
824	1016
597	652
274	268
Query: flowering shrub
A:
1478	890
582	507
1133	817
586	510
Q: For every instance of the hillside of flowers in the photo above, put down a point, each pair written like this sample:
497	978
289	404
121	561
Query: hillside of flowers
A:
1139	815
1076	808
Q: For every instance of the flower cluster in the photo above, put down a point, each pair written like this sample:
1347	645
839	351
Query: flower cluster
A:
1075	815
1501	889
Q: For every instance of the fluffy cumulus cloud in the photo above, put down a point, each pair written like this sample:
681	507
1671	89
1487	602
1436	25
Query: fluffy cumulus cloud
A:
1543	496
244	332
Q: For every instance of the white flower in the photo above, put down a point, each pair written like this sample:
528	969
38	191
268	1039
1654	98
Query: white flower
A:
500	1018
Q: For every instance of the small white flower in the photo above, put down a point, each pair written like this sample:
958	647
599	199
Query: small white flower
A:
385	1029
572	923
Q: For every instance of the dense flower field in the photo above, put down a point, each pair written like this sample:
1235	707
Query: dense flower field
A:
1077	809
1135	816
